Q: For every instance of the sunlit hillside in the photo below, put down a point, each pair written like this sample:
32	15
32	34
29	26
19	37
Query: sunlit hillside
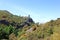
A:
13	27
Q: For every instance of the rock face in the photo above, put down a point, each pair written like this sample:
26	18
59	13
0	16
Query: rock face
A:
4	22
29	19
27	22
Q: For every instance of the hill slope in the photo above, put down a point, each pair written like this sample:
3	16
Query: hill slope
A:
10	23
14	27
9	19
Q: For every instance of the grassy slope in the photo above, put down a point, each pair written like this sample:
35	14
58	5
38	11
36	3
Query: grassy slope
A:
47	31
10	17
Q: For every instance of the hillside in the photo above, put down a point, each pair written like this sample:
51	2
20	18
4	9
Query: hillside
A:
13	27
9	19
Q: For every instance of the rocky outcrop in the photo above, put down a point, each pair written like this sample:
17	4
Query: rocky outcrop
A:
4	22
18	25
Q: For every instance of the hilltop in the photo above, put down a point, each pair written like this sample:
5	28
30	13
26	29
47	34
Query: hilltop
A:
9	19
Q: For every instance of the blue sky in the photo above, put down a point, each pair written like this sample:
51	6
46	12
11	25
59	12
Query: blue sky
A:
39	10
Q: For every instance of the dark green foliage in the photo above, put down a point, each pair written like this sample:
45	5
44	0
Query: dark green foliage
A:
5	31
